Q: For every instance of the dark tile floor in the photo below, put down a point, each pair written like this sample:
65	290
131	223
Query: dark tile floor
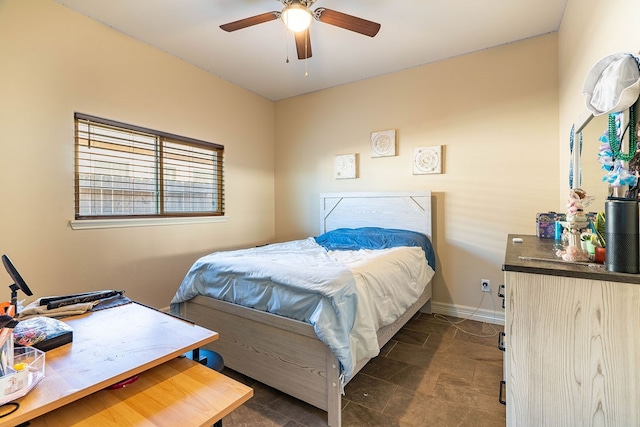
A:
430	373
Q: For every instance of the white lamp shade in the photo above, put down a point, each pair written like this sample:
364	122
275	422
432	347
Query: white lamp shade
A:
296	17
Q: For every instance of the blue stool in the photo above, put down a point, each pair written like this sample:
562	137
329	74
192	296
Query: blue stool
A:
211	360
208	358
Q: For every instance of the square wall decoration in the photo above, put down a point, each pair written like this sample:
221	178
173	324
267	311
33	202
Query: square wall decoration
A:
383	143
345	166
427	160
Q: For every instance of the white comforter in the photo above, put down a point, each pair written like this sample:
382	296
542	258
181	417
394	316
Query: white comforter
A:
346	295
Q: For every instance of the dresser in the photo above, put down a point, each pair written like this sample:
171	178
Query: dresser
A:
572	340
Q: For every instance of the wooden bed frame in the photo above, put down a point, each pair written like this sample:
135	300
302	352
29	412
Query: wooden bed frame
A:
286	354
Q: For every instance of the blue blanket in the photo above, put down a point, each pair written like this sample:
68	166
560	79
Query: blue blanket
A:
296	279
353	239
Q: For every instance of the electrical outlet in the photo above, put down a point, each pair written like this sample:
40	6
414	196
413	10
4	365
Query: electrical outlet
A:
485	285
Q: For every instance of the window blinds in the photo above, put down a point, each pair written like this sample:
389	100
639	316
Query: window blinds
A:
128	171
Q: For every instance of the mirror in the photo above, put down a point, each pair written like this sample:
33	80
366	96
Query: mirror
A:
592	172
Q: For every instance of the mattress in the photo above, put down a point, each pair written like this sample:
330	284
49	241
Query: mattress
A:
346	295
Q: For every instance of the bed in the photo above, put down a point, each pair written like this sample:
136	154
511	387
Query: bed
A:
288	354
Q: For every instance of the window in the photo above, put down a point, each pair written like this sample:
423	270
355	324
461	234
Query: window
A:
125	171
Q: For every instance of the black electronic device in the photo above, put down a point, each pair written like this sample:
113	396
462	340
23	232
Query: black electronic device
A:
18	283
621	234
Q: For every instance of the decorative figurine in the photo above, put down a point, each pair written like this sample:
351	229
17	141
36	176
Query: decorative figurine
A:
576	224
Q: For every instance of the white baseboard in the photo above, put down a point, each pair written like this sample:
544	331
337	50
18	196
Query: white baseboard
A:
464	312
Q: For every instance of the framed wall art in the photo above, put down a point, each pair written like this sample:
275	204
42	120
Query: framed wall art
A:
427	160
345	166
383	143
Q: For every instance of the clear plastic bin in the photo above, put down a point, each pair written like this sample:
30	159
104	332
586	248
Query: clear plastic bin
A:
22	373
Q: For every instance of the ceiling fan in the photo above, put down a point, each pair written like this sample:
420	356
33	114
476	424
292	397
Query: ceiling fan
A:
297	17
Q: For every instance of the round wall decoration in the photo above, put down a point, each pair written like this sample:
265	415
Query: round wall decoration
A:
383	143
427	160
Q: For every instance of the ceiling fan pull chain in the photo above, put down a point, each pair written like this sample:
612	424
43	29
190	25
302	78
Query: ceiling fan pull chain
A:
287	46
306	55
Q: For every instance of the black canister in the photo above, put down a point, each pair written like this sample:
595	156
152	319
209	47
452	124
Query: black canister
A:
621	235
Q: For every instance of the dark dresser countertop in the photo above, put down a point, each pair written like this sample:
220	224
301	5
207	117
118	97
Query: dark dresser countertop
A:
535	247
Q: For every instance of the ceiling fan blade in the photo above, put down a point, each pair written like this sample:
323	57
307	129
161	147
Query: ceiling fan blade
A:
303	44
248	22
348	22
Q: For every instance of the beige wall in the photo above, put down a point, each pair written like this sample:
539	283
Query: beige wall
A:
503	116
590	30
54	62
495	112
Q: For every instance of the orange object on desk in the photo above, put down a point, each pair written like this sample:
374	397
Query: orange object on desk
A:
600	255
7	308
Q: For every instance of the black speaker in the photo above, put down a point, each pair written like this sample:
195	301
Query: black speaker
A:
621	235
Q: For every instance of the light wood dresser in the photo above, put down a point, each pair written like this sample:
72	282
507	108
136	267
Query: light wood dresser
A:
572	340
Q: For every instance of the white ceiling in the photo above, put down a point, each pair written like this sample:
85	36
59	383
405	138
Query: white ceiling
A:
414	32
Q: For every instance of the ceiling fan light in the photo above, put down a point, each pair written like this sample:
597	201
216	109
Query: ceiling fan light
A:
296	17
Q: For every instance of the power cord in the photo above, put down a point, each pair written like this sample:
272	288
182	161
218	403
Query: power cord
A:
455	324
8	409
